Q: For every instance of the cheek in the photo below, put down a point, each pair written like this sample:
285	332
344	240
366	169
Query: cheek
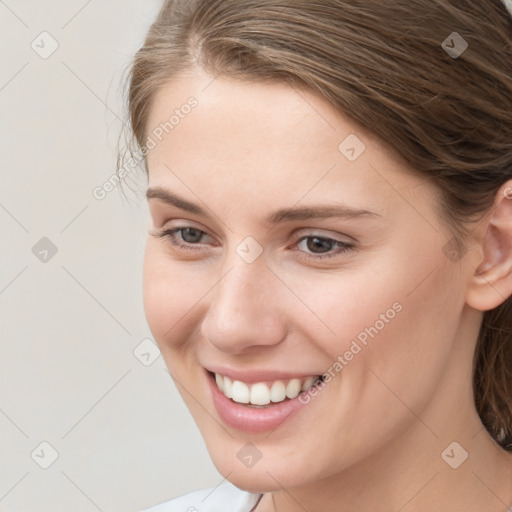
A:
398	320
171	294
420	340
399	337
395	338
396	308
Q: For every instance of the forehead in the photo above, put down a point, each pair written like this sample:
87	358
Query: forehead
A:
255	138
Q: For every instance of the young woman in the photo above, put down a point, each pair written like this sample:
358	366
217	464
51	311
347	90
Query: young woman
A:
329	264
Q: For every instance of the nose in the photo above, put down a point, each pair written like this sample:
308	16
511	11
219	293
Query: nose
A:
244	310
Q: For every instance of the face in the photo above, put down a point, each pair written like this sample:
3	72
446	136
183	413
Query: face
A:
280	250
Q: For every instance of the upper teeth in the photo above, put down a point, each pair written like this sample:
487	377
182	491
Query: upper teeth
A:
261	393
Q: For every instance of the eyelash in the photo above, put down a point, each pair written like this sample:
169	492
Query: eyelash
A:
344	247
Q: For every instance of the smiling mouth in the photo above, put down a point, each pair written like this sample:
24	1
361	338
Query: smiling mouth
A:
261	394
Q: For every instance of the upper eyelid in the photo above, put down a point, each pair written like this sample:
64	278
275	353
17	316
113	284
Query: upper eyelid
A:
299	234
167	227
312	233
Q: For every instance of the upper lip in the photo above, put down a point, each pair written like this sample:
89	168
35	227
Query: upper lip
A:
253	375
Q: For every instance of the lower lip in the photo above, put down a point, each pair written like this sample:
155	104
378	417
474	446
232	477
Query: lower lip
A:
252	419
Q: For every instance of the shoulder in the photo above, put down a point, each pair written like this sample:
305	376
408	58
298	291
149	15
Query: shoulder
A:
209	500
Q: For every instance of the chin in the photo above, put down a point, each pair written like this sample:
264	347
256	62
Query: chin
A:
258	483
263	476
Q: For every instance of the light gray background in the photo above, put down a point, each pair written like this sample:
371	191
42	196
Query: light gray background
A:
69	325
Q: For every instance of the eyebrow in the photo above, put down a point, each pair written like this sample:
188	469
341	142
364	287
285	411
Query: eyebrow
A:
281	215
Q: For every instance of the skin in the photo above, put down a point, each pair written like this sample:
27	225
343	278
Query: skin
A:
373	438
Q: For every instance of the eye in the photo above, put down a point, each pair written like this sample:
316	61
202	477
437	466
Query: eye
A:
312	247
320	247
186	238
191	235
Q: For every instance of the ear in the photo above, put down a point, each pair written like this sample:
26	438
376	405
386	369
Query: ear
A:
491	282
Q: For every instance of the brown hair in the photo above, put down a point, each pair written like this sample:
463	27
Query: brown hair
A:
381	63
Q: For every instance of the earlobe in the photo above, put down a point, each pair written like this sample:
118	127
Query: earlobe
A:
491	282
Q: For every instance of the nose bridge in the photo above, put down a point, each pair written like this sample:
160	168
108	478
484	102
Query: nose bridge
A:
241	288
243	308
